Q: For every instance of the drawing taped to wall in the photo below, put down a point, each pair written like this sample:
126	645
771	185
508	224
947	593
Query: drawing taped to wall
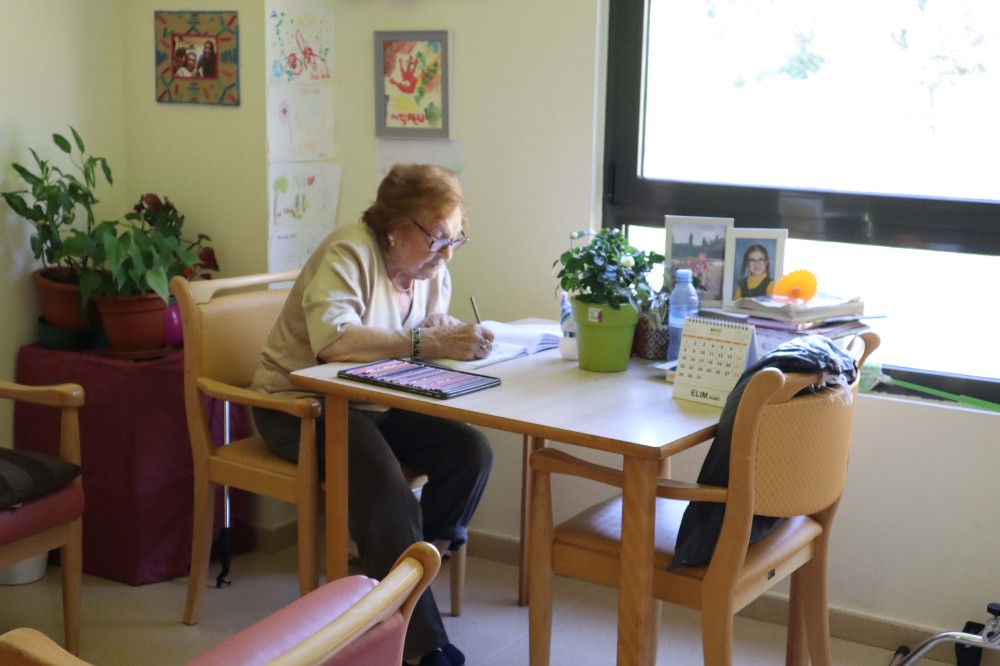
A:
299	46
304	198
299	122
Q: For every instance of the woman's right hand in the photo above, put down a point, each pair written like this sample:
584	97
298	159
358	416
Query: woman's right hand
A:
462	342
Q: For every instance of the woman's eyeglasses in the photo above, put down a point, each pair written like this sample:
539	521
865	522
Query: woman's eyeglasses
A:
438	244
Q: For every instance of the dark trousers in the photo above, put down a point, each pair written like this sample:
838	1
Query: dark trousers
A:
384	516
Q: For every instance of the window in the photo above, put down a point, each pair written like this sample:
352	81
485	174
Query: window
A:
867	130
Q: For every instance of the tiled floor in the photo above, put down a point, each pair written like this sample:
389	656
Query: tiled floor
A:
126	626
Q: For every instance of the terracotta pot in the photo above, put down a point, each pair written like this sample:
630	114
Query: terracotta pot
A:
133	324
61	302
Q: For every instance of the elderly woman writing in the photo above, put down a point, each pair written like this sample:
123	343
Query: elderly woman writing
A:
380	289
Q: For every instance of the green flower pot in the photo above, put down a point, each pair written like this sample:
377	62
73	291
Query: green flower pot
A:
604	335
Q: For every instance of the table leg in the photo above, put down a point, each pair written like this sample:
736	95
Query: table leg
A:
637	617
531	444
335	416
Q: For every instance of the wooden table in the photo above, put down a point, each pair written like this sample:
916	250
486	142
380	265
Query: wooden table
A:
544	397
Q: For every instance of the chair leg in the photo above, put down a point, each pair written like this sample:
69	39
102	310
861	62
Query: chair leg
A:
815	610
308	516
201	547
717	634
796	647
71	561
457	565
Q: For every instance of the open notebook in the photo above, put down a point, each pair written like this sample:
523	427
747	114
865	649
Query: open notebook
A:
511	341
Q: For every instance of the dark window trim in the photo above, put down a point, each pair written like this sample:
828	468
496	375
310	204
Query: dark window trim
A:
956	226
941	224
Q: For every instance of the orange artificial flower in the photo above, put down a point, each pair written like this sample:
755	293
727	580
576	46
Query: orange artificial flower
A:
796	286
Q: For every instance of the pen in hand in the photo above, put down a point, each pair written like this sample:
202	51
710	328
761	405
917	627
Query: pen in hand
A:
475	310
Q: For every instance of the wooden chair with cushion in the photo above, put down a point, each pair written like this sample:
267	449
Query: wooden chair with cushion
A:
41	497
225	323
788	458
350	621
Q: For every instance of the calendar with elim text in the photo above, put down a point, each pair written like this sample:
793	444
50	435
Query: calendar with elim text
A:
712	357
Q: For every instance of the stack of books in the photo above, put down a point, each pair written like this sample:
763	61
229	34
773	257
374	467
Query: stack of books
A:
777	321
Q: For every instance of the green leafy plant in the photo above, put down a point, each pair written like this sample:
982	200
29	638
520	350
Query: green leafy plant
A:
56	199
141	255
607	269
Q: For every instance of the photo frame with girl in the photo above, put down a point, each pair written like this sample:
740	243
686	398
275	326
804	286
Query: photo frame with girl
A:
699	243
755	262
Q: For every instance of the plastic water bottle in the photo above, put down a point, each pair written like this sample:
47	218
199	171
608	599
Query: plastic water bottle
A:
567	343
566	322
683	304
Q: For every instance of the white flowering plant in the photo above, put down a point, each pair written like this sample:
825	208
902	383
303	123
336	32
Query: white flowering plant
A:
607	270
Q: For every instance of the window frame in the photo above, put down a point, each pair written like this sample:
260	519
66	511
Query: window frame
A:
628	199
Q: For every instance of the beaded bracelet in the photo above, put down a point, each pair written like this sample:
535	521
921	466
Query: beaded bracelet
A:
414	343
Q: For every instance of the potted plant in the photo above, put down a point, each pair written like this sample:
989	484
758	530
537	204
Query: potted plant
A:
133	262
651	333
54	203
608	279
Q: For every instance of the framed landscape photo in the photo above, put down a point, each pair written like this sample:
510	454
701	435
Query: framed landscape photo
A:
197	57
412	94
699	243
755	260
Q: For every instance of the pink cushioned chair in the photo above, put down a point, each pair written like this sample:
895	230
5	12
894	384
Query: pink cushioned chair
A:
351	621
38	523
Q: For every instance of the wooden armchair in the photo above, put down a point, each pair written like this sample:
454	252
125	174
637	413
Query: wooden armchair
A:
349	621
225	324
54	518
788	459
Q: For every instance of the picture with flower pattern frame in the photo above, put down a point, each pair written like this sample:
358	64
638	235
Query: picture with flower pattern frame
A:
197	57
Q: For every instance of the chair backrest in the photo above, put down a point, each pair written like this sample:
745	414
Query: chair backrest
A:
226	323
390	603
349	621
799	445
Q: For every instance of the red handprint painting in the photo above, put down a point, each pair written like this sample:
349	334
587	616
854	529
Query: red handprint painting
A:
411	84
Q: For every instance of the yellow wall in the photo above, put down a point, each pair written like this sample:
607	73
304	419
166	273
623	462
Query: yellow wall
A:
526	114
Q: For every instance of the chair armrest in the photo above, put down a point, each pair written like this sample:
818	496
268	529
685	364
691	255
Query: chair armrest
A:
30	646
54	395
689	492
303	408
553	461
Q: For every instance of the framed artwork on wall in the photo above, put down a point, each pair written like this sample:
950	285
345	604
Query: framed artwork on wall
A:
197	57
412	84
755	258
699	243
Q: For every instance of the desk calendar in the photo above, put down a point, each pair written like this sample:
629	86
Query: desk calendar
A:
712	357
